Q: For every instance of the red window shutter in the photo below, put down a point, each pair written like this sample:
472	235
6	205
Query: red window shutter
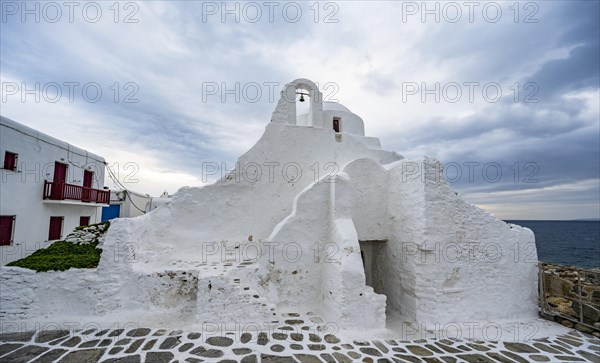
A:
6	230
10	161
88	176
86	193
60	172
55	230
84	221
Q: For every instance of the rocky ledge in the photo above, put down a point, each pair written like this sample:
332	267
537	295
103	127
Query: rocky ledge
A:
571	296
87	234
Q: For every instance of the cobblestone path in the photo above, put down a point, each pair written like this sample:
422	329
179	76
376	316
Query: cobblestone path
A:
294	340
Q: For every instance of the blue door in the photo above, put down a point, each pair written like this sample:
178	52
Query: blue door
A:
111	212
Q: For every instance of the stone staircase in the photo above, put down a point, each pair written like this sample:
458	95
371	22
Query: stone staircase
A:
224	296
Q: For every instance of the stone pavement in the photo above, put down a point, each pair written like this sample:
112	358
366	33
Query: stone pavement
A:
299	338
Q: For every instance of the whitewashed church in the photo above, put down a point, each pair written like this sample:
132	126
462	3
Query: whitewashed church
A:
317	218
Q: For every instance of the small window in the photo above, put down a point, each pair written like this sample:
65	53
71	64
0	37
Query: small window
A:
84	221
7	224
336	124
10	161
55	230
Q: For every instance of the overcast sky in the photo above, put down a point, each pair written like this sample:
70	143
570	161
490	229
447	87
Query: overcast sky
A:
509	94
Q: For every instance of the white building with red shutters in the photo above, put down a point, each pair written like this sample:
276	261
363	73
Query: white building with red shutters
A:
47	188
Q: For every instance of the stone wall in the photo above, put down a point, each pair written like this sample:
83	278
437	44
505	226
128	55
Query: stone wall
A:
571	296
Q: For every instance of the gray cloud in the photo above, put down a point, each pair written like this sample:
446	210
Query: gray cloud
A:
171	53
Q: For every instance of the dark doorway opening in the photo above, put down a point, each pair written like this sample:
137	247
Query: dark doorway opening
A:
336	124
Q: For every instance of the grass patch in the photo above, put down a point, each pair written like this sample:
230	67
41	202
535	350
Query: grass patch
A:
61	256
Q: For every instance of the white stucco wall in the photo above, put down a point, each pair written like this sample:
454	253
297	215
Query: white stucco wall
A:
349	122
234	208
369	183
22	191
449	261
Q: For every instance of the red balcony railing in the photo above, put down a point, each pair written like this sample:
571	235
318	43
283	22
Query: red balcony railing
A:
62	191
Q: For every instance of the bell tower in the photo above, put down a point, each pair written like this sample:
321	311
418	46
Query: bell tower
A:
285	112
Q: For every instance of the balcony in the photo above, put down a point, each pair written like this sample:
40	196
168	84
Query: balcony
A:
64	191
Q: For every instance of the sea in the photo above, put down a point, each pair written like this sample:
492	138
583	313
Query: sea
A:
572	243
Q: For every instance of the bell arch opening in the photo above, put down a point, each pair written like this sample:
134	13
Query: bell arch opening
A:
295	96
303	102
